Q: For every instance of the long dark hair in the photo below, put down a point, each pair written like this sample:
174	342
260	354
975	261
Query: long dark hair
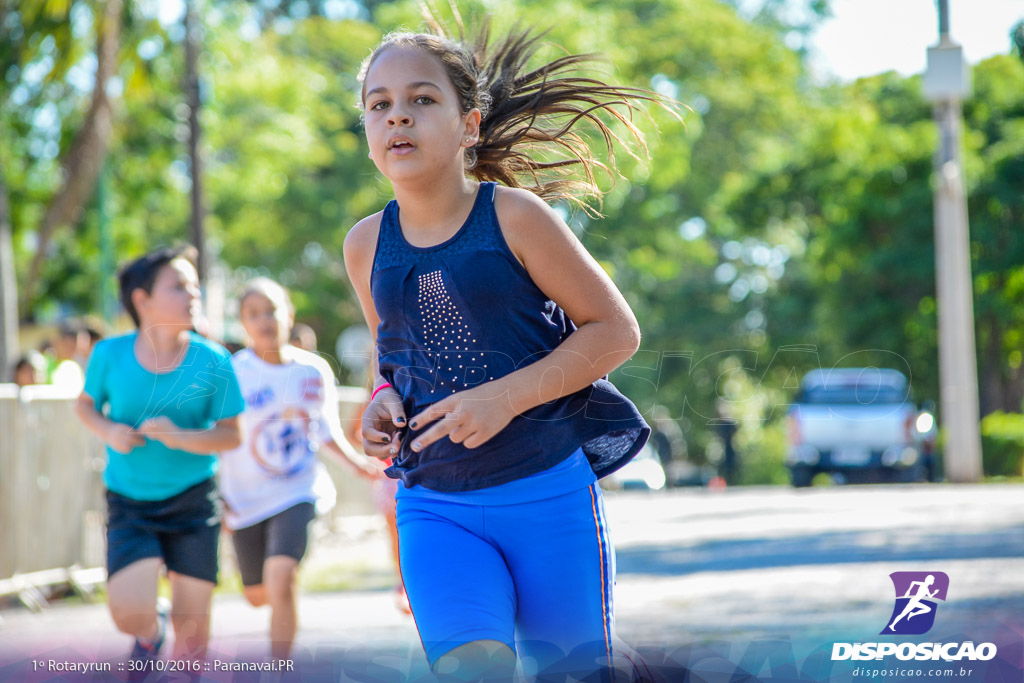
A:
526	114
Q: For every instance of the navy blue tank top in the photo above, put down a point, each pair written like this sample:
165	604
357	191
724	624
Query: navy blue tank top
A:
464	312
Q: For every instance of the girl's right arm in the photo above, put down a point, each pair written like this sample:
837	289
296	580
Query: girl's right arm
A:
121	437
385	415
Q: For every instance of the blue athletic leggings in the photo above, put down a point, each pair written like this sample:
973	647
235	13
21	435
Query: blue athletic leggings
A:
537	575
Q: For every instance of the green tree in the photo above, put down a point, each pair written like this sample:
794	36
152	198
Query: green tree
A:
994	117
782	226
860	193
67	71
288	173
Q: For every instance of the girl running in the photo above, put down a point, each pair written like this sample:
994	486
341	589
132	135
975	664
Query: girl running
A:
164	400
494	329
383	493
271	483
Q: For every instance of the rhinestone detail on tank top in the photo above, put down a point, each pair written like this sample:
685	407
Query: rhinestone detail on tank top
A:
446	334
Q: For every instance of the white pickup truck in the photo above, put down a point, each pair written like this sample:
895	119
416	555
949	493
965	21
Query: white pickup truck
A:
859	425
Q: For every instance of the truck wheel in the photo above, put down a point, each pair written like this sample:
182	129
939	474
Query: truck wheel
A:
917	473
801	476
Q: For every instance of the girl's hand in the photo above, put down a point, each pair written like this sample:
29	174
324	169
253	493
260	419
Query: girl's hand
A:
381	421
469	417
160	429
122	438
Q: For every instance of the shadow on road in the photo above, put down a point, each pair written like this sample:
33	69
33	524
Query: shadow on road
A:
890	545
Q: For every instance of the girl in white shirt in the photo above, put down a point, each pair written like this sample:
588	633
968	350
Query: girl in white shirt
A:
271	483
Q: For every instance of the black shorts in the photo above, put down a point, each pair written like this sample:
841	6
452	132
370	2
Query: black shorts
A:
182	529
286	533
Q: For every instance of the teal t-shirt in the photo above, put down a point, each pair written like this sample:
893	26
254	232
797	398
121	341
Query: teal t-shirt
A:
194	395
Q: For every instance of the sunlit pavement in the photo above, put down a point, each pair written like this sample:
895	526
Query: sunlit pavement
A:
695	567
813	565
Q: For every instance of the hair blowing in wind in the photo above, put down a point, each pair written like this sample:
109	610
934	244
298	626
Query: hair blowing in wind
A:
532	118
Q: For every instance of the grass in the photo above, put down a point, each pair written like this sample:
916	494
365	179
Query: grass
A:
1003	480
345	577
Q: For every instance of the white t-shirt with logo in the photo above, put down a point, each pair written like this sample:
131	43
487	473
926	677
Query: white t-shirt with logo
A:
290	409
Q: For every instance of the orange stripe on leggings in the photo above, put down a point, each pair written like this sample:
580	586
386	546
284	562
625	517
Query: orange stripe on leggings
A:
604	581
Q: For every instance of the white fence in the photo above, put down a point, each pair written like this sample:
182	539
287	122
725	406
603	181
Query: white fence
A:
52	507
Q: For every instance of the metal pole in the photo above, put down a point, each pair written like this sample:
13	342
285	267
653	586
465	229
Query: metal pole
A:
943	19
958	369
198	234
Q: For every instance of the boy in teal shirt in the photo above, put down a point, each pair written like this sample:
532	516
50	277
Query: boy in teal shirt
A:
164	400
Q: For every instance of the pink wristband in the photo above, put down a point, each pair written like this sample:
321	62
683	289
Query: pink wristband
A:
377	390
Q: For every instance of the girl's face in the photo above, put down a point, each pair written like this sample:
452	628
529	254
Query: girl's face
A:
174	300
266	323
414	124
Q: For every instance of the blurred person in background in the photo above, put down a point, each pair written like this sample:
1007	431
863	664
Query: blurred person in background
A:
91	337
667	438
304	337
383	489
272	483
165	401
29	369
726	426
67	373
45	349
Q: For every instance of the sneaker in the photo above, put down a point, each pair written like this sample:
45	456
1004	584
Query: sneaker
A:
145	651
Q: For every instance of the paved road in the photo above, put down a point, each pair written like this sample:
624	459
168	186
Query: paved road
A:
698	572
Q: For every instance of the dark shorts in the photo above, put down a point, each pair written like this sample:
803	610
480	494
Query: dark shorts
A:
182	530
286	533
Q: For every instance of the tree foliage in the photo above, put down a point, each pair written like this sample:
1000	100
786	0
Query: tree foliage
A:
782	226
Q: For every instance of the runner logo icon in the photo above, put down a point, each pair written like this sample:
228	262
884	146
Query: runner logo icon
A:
916	593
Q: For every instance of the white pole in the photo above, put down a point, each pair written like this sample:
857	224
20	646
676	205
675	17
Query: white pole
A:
946	83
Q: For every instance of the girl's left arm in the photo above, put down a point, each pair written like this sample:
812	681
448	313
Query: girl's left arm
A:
607	332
